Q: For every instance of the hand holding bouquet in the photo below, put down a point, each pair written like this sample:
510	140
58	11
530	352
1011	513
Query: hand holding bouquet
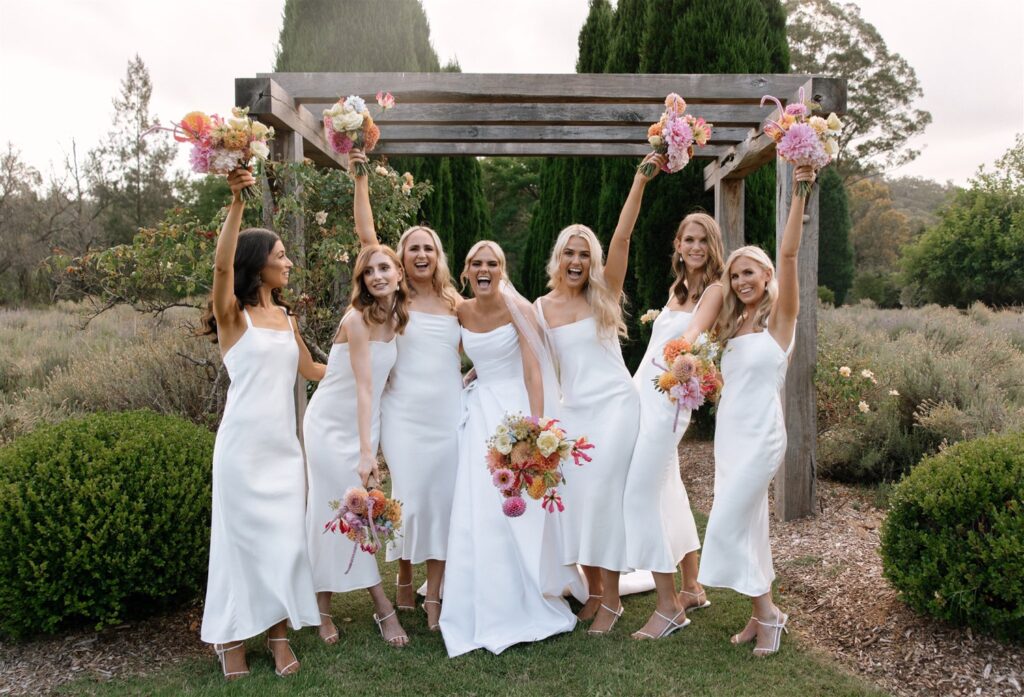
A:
526	452
348	124
674	135
368	518
690	375
802	139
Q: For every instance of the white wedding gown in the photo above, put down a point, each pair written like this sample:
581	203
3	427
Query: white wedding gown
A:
504	576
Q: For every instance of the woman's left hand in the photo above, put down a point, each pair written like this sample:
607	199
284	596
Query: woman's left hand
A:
804	173
368	468
657	160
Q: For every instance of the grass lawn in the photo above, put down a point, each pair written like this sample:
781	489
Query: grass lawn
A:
697	660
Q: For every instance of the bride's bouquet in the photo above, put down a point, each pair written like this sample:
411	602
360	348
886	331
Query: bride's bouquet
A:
802	139
689	375
526	453
348	124
368	518
675	134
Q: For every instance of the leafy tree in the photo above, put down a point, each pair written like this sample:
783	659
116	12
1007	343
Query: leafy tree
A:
512	190
920	199
835	253
879	230
975	251
128	172
829	37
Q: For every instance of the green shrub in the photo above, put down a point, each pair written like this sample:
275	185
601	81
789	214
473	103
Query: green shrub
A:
826	296
883	289
102	518
953	542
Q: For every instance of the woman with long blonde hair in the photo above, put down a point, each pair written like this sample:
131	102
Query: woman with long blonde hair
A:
582	316
757	325
660	529
342	432
421	407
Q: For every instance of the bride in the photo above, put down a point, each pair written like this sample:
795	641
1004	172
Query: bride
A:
504	578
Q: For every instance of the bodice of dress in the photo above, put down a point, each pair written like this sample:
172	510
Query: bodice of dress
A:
495	354
262	366
590	366
753	370
428	350
670	324
339	383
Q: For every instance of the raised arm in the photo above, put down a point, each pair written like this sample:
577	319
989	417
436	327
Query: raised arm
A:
362	368
225	304
362	212
783	317
710	305
618	249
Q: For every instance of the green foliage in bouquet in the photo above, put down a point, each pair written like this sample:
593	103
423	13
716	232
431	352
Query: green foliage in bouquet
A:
953	543
102	518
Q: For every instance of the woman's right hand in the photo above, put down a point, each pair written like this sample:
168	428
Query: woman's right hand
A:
238	180
356	155
368	468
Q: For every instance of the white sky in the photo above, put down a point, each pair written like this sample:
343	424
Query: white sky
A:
61	62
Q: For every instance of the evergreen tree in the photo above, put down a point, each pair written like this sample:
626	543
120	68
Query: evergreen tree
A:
835	251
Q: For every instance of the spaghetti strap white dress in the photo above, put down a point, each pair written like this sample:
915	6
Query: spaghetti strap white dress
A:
259	572
420	413
504	576
331	432
660	529
750	442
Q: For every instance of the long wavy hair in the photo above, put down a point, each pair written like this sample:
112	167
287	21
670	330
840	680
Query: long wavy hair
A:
442	280
604	305
372	308
251	254
498	252
713	264
731	316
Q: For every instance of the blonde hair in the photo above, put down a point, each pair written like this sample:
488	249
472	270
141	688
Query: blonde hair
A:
606	308
371	307
442	279
712	265
730	318
494	247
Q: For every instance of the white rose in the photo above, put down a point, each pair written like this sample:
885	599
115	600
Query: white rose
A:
239	124
832	147
347	121
259	130
547	443
503	443
259	149
834	124
381	170
818	124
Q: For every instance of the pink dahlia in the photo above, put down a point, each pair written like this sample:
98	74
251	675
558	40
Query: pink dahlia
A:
514	507
200	158
678	139
684	367
339	142
355	499
802	146
503	478
688	394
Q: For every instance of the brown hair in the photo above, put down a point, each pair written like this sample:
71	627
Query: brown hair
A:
712	266
373	311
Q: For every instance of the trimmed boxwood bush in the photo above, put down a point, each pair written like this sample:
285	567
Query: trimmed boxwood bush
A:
102	518
953	542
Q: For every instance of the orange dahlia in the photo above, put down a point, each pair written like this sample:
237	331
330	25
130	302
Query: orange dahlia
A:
537	488
393	511
675	347
521	452
666	381
371	134
380	501
654	130
547	464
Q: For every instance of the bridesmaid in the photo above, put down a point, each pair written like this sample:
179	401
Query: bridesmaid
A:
660	529
758	323
342	429
421	407
583	319
259	573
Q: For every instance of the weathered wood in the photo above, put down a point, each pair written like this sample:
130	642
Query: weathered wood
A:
602	88
490	149
795	483
572	133
729	202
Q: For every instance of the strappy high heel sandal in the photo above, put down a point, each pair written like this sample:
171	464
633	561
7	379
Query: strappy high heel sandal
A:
777	627
287	670
390	640
431	627
700	604
671	627
736	639
332	638
221	650
597	632
403	585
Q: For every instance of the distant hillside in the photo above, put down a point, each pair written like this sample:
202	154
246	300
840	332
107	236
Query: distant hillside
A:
920	199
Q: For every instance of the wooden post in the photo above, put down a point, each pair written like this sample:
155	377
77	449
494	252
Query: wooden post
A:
295	243
795	482
729	212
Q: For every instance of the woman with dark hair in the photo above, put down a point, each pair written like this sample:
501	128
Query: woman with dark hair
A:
259	575
342	432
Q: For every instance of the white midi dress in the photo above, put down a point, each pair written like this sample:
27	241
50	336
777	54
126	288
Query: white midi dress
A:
599	401
331	432
259	572
750	442
660	529
420	413
504	576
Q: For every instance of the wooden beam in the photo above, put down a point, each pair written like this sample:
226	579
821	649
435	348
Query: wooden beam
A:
571	133
729	202
496	87
492	149
272	105
795	483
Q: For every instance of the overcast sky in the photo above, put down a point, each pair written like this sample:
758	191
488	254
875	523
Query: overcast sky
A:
61	62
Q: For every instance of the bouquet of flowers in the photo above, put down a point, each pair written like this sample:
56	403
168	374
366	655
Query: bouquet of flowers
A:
526	452
690	374
368	518
802	139
221	145
675	134
348	124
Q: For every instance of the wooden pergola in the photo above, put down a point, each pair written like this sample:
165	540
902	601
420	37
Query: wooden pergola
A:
595	115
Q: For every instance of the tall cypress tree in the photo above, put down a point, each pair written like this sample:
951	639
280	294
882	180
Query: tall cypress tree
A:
359	36
835	250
